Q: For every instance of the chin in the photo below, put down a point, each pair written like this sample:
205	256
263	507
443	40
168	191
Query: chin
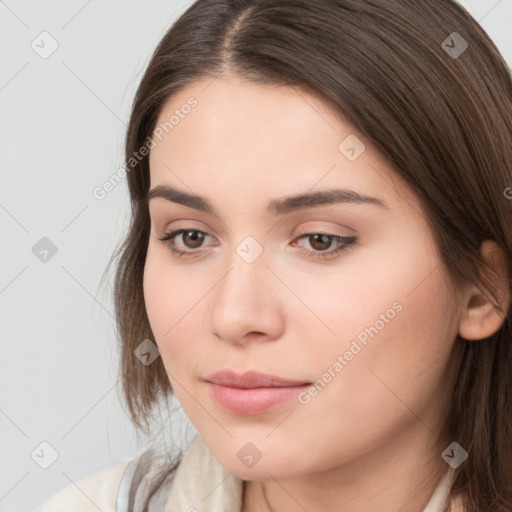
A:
262	470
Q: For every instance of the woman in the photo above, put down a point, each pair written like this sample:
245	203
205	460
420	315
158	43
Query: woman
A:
318	263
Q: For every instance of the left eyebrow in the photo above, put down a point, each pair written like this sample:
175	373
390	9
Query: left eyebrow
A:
279	206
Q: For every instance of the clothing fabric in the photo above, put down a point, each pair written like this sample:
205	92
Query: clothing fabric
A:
199	484
94	492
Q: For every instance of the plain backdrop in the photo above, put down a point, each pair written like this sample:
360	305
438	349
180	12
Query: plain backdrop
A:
68	74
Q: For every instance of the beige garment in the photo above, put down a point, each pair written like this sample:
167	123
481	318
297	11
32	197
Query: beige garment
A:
94	492
201	484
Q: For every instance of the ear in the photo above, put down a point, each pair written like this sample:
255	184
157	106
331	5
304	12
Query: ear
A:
480	319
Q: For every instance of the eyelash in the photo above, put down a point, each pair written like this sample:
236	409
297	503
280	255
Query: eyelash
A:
346	242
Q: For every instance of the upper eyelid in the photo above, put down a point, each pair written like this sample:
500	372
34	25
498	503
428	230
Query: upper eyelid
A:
312	230
190	226
176	232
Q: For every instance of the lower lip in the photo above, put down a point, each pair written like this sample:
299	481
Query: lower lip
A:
252	401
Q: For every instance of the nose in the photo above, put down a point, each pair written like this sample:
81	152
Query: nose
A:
246	303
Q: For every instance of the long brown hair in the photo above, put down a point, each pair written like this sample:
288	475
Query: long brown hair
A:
440	112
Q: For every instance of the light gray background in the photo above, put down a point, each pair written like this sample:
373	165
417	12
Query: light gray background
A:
62	124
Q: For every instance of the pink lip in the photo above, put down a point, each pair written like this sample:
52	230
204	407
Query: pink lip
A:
251	392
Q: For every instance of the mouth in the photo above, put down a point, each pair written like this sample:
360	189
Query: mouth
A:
252	393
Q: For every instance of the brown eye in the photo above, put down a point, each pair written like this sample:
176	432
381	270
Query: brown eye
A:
192	239
320	242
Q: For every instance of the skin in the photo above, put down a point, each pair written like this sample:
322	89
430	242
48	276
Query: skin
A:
369	440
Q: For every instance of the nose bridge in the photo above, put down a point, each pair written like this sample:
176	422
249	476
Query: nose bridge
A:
247	273
243	302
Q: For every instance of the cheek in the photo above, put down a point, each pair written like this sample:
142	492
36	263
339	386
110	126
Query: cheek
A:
420	339
391	369
173	298
165	291
394	325
158	300
354	301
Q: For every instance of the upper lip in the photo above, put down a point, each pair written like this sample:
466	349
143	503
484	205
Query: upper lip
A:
251	379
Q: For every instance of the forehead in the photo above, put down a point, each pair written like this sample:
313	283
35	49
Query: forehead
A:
231	111
260	138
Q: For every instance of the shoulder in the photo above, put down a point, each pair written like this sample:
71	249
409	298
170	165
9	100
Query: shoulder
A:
95	491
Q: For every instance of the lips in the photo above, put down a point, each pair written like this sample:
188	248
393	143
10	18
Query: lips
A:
252	379
251	393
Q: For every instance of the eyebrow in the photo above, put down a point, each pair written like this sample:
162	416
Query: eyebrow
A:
279	206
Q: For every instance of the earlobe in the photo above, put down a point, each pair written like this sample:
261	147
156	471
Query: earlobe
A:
480	318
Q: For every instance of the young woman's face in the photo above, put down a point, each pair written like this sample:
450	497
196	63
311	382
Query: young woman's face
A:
365	333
